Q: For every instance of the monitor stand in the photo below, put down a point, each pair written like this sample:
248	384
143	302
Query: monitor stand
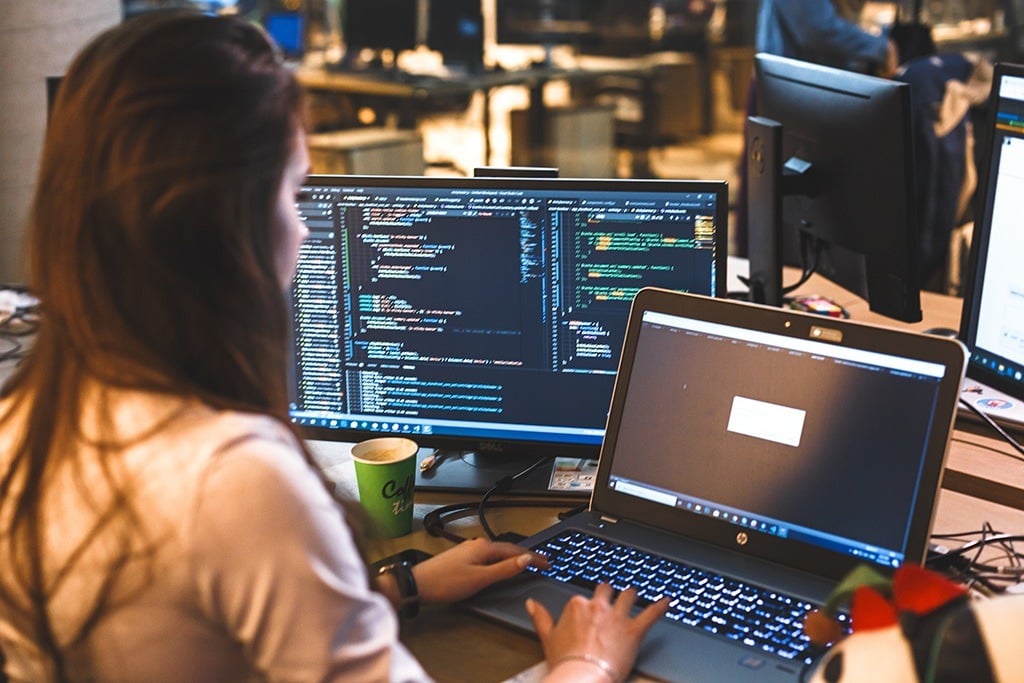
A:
769	180
472	472
764	188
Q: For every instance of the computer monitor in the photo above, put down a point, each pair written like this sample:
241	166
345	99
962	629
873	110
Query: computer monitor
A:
541	22
380	24
484	316
830	180
992	321
455	28
287	28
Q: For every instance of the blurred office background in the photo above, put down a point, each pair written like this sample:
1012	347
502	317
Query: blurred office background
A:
662	92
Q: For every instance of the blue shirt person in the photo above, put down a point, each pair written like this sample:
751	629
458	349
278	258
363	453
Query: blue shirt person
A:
816	31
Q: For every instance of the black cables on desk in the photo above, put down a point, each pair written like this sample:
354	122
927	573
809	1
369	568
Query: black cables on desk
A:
995	426
435	521
1003	569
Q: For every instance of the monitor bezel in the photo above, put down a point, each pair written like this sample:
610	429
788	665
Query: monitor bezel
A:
891	277
889	341
977	261
525	447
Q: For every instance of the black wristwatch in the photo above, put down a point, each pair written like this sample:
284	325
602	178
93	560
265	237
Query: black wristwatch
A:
408	593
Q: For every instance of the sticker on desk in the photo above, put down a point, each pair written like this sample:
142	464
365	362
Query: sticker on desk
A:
573	474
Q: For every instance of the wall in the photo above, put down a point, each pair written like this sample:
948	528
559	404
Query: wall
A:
38	38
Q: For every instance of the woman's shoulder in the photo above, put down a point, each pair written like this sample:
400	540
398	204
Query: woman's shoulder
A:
180	448
222	429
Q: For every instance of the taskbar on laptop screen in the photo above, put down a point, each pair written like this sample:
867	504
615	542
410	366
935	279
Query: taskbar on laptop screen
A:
764	524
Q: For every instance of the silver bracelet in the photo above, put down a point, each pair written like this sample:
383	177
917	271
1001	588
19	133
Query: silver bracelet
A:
601	664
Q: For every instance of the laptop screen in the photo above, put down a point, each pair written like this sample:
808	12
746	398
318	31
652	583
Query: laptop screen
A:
787	437
993	314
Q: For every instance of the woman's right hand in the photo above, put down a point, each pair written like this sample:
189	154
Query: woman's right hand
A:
596	635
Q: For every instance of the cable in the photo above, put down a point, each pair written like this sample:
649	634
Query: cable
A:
500	486
964	564
809	266
13	351
435	520
994	425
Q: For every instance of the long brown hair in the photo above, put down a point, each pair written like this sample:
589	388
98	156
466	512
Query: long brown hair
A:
152	251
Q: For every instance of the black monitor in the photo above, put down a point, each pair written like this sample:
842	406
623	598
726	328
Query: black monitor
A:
992	322
484	316
541	22
380	24
455	28
830	180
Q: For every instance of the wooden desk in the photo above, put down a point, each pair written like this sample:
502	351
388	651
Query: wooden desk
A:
981	486
458	647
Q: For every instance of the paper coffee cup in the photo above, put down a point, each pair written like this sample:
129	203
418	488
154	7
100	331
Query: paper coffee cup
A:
386	475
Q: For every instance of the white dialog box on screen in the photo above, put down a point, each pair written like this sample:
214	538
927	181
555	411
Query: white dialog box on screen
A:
768	421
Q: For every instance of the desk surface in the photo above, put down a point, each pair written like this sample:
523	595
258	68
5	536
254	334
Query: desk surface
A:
456	646
370	82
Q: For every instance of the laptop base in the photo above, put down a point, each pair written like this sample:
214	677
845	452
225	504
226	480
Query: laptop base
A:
1007	411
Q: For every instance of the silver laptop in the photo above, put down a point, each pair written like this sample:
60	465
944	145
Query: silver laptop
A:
752	457
992	324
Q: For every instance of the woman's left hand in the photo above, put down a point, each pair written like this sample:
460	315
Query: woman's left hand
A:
471	566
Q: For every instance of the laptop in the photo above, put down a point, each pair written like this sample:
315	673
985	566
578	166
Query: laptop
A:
750	451
992	322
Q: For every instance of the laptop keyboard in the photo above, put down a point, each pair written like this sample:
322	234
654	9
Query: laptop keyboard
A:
759	618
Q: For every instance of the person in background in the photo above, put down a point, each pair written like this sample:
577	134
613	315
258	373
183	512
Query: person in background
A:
820	31
824	32
160	518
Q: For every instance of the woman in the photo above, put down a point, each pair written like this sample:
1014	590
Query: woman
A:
159	518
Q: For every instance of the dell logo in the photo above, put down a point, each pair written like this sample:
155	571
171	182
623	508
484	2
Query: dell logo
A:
741	538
